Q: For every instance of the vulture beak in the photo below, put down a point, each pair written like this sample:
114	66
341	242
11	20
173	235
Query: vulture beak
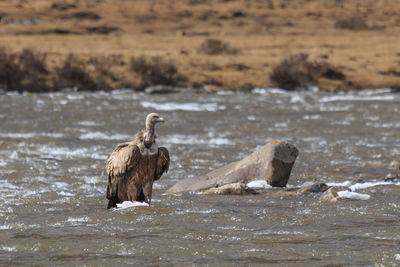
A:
161	119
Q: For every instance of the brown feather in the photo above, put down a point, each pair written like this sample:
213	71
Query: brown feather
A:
162	162
131	174
139	137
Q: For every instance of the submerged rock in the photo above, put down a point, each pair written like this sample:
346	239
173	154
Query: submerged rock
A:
315	188
272	162
329	195
390	177
230	189
162	89
373	164
394	165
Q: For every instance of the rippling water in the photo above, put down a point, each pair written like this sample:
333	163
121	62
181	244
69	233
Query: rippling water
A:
53	149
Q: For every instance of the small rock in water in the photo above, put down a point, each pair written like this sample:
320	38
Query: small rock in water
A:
373	164
392	177
329	195
358	179
394	165
229	189
315	188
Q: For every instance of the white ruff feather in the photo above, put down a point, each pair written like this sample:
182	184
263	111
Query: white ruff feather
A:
148	151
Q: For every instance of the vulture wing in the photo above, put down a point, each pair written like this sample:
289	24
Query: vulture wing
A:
124	157
162	162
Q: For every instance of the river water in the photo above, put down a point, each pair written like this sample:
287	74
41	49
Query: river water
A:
53	149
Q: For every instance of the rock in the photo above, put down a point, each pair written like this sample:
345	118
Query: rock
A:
390	177
229	189
358	179
314	188
272	162
329	195
373	164
394	165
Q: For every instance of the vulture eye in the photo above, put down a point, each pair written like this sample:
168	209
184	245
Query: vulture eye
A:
155	117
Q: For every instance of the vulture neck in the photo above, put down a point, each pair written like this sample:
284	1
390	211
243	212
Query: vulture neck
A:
149	135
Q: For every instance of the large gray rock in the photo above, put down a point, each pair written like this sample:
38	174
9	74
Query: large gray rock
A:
272	162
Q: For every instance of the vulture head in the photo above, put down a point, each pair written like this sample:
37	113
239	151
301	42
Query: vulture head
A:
152	119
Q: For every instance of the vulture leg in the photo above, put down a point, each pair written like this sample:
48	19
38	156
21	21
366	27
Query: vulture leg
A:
112	203
141	197
147	190
132	192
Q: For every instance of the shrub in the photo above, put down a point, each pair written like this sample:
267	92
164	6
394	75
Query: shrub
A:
351	23
73	74
25	71
298	72
216	47
155	71
34	71
10	73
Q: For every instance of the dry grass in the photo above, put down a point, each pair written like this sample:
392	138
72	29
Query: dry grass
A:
265	33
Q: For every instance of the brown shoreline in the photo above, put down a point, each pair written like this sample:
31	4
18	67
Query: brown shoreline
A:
359	38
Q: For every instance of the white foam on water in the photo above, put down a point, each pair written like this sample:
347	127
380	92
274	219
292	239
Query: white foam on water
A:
359	186
383	125
75	96
180	139
6	185
298	99
278	91
350	97
171	106
77	219
334	108
345	184
312	117
5	227
375	91
158	186
226	92
9	249
281	232
104	136
89	123
261	91
130	204
353	195
30	135
258	184
65	152
281	125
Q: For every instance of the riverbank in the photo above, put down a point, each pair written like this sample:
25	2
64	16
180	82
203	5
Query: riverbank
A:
91	45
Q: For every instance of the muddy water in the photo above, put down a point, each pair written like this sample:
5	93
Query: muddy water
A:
53	149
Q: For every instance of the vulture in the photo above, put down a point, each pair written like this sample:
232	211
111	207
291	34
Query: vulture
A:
133	166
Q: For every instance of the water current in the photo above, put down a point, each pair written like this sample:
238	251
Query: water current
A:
53	149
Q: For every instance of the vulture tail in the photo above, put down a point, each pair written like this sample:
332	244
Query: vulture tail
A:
112	195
